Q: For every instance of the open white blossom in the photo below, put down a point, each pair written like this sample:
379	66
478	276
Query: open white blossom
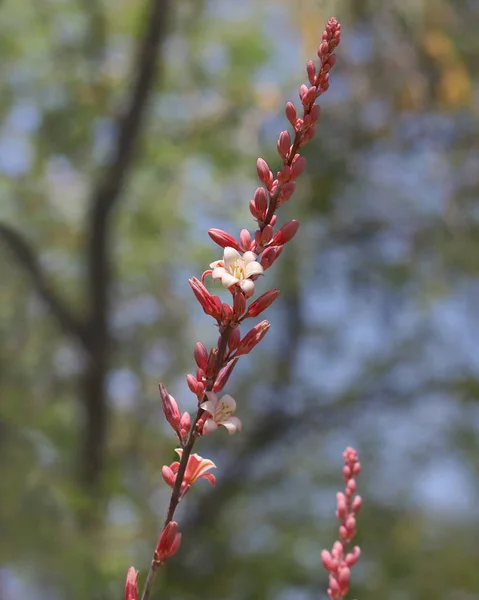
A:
235	269
220	410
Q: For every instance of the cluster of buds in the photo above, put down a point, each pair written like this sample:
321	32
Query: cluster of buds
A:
339	561
243	261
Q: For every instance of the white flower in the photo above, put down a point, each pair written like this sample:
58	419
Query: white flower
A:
220	411
235	269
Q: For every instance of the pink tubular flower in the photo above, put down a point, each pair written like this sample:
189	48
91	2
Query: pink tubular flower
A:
131	585
235	269
220	411
169	543
338	562
196	468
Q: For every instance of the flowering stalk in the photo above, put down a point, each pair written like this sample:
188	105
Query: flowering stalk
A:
243	261
338	562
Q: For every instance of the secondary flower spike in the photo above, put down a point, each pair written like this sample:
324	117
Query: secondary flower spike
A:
221	410
338	562
235	269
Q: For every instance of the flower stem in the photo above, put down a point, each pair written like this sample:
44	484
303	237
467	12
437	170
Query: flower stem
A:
175	494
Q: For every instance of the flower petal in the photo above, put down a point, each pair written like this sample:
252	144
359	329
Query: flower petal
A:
228	280
232	424
210	406
200	464
229	403
249	257
230	256
218	273
217	263
253	268
247	286
209	426
210	477
212	397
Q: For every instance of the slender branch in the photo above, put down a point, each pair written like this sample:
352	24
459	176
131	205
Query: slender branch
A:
188	448
21	249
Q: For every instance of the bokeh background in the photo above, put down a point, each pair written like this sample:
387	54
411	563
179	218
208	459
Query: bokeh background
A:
127	128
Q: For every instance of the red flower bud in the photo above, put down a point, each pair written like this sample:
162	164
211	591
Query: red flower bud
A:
286	192
266	235
201	355
311	70
211	367
356	505
169	543
264	172
352	557
298	165
245	239
291	113
226	313
327	560
303	90
185	424
309	96
285	174
234	339
192	383
284	144
252	338
170	408
285	233
239	304
315	112
261	202
223	239
262	303
131	585
309	135
323	49
224	375
210	304
271	254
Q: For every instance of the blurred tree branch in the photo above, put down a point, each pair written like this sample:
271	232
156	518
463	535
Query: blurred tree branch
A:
98	262
94	332
107	194
26	256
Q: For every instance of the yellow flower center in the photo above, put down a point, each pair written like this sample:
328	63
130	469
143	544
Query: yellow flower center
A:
223	411
237	269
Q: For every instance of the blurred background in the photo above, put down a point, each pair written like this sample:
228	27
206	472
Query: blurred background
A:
127	129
